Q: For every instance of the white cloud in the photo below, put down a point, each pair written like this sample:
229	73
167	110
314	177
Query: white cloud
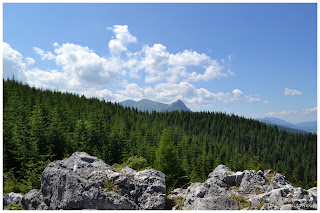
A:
312	110
291	92
123	37
30	61
213	71
48	79
154	62
13	64
266	102
44	56
81	70
175	73
238	95
85	68
296	115
186	58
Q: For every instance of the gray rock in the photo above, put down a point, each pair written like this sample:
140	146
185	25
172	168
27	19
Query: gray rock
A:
281	181
78	182
234	179
176	193
300	193
150	192
252	182
12	197
214	203
220	172
32	200
287	207
257	190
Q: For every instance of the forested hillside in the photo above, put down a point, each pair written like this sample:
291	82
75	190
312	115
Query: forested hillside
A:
40	126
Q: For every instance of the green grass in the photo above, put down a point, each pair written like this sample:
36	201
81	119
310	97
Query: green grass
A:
13	206
234	188
110	186
242	202
260	205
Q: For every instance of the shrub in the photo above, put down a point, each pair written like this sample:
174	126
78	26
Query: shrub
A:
137	163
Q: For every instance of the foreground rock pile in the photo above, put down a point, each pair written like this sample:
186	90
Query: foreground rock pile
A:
251	190
86	182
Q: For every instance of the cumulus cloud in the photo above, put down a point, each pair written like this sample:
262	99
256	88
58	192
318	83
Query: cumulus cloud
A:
30	61
48	79
213	71
44	56
167	76
13	64
86	67
186	58
154	62
123	37
291	92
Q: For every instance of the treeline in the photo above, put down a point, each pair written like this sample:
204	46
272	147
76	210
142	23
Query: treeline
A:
40	126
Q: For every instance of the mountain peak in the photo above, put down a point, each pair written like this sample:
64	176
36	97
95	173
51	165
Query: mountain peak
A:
149	105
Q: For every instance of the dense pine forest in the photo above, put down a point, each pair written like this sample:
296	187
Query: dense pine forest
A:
40	126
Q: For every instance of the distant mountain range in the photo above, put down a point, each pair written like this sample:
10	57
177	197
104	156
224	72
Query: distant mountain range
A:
148	105
303	127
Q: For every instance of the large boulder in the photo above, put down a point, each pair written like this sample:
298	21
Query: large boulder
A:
86	182
12	197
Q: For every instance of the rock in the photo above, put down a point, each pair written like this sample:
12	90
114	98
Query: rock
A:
150	190
128	172
32	200
214	203
234	179
225	189
287	207
252	182
313	191
220	172
12	197
281	181
176	193
300	193
86	182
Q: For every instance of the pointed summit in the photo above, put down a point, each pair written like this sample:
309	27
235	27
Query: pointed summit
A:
177	106
148	105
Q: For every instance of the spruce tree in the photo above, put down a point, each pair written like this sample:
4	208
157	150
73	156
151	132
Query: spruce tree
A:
167	160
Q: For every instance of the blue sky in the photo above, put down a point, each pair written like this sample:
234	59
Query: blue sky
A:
253	60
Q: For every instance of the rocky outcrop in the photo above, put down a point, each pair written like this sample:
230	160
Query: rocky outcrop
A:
225	189
86	182
12	197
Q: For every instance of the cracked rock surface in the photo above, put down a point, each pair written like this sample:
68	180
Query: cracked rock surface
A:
251	190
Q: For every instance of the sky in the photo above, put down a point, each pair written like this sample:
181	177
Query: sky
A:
252	60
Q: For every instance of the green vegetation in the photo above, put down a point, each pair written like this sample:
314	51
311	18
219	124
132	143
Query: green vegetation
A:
110	185
260	205
134	162
234	188
13	206
242	202
40	126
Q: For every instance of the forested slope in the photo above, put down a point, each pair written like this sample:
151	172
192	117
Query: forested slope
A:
40	126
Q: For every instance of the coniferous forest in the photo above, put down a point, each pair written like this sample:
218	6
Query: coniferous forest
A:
40	126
